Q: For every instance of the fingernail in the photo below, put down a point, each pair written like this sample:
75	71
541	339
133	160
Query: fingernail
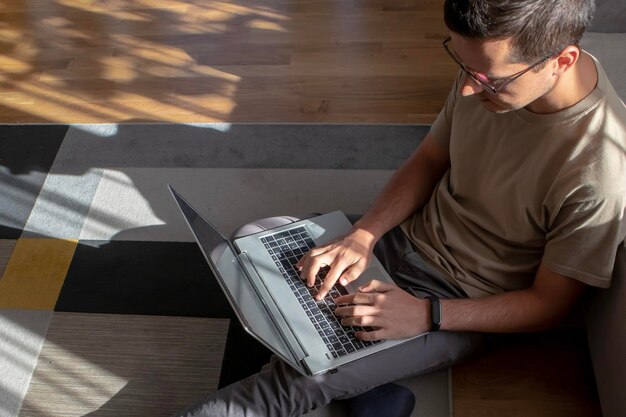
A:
343	281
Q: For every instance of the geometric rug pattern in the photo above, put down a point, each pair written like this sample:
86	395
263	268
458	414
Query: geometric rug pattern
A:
107	306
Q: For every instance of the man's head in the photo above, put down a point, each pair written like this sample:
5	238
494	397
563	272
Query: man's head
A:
536	28
500	38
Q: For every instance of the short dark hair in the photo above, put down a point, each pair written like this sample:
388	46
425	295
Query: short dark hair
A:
537	28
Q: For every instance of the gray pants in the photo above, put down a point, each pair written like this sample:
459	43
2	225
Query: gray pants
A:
279	390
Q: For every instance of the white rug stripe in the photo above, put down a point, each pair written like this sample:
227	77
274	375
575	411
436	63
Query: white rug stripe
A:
135	204
22	334
62	206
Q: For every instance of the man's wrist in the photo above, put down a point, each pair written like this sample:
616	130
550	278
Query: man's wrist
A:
365	234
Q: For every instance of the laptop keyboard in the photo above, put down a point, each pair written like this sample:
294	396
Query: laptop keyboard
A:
286	248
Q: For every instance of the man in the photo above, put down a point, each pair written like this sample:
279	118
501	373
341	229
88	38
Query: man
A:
510	208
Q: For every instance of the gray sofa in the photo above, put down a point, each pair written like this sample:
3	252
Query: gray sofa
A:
606	332
606	316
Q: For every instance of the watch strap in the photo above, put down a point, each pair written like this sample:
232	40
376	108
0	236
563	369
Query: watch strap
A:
435	313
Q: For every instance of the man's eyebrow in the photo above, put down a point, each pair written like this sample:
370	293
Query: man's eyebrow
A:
490	77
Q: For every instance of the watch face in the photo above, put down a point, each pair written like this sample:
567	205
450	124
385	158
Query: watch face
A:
435	313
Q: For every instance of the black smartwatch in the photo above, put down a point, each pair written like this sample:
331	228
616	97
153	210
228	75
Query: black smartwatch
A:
435	313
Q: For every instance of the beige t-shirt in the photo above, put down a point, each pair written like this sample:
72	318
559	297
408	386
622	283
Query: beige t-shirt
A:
525	189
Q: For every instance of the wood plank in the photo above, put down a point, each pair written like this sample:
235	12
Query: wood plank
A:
542	375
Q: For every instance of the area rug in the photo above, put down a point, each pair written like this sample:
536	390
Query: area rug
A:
107	307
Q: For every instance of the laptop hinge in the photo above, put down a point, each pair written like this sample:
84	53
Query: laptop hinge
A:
279	320
236	247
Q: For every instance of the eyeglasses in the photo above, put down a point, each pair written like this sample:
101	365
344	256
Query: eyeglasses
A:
491	86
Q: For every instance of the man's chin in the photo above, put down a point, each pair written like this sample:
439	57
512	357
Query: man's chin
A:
494	106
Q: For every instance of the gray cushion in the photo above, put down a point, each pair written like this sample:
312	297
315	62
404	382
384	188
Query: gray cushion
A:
610	50
606	331
610	16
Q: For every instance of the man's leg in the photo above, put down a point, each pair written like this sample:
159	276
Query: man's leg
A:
279	390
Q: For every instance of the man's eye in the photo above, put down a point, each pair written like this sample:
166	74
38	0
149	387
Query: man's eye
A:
498	81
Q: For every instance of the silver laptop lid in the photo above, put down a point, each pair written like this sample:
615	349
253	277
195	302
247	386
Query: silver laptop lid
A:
235	283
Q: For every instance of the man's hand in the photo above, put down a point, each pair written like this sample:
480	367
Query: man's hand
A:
391	311
347	258
409	188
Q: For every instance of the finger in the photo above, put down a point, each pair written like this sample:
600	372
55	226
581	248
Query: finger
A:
312	252
331	278
371	335
351	273
361	321
377	286
312	268
363	298
355	311
345	299
302	261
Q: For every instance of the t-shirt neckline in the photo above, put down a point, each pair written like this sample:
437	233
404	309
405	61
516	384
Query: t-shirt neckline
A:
583	106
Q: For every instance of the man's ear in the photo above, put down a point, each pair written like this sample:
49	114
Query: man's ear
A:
565	59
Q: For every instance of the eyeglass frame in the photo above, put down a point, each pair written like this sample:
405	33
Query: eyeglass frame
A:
503	80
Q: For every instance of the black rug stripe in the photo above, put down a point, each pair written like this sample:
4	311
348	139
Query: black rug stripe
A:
26	155
157	278
153	278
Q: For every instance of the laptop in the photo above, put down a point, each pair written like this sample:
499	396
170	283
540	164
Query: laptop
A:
257	274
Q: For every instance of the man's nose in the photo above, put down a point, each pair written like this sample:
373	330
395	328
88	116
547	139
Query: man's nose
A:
470	87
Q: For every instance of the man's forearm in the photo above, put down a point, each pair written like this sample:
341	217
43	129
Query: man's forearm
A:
537	308
516	311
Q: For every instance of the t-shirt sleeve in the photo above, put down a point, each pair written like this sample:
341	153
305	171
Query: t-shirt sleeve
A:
442	126
583	239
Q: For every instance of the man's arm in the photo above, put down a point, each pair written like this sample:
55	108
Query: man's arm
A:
408	189
537	308
397	314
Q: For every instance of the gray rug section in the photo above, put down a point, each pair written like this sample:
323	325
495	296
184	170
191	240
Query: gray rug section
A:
22	334
433	394
134	204
109	182
238	146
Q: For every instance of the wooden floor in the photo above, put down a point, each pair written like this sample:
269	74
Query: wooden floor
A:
241	61
305	61
540	375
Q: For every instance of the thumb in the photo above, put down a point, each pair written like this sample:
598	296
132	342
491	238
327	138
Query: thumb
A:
376	286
